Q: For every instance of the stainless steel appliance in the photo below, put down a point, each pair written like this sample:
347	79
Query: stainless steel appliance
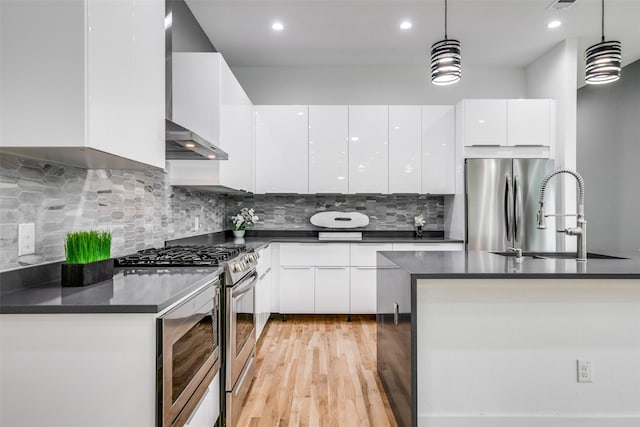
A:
240	332
188	354
502	203
193	343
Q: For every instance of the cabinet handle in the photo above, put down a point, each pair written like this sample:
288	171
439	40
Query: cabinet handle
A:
486	145
367	268
296	268
396	313
331	268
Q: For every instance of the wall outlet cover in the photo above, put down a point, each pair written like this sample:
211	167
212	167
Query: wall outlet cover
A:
26	239
585	371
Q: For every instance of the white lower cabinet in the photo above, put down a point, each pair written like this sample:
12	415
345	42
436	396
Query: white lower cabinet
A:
331	290
263	301
330	278
363	290
208	410
297	290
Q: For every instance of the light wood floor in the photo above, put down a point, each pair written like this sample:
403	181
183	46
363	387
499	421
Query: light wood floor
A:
317	371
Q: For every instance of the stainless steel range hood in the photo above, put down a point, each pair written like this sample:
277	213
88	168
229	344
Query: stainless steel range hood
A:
184	144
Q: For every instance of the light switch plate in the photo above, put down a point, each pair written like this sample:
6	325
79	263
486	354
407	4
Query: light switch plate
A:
26	239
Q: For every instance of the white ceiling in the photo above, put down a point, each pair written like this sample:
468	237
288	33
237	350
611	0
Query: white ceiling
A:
356	33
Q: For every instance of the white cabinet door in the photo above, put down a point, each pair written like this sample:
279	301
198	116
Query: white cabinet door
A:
428	246
236	132
438	149
297	289
207	411
282	155
363	290
364	254
529	122
125	79
263	301
332	290
484	121
368	149
196	93
404	148
328	147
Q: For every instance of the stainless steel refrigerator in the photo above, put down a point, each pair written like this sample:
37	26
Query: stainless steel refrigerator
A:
502	203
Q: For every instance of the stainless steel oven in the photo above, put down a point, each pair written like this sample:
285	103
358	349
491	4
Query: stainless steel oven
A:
240	342
188	354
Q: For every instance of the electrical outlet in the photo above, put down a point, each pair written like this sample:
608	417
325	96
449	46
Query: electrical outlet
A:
196	223
585	371
26	239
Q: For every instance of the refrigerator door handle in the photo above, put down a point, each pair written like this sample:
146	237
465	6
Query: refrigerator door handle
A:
517	191
508	207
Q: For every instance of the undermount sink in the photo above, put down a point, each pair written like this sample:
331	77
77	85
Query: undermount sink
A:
557	255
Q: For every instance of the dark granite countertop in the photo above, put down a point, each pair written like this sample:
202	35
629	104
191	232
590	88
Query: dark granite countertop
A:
132	290
484	265
257	238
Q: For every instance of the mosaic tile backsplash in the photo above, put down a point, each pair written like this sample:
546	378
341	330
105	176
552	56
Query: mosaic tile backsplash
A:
142	210
386	212
138	207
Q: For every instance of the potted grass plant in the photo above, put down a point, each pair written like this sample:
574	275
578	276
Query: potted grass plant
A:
88	258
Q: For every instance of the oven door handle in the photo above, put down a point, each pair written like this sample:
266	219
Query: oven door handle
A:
245	285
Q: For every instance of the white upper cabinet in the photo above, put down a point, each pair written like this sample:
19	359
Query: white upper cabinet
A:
438	149
515	128
83	82
368	149
328	148
484	122
530	122
196	93
208	100
236	133
282	155
404	149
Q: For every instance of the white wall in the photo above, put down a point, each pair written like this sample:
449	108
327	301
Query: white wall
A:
608	153
504	353
381	85
553	75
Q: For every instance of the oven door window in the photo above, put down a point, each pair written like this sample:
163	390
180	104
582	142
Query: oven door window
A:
191	351
244	322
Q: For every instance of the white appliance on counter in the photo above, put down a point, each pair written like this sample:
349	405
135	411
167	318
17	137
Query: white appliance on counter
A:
340	220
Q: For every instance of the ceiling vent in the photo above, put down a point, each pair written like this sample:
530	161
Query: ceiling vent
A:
561	4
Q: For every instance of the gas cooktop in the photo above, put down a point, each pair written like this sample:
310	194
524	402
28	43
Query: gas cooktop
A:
181	256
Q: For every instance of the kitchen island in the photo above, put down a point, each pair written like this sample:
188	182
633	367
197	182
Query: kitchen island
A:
479	339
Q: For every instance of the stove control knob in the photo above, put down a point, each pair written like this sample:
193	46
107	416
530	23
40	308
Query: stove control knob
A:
236	268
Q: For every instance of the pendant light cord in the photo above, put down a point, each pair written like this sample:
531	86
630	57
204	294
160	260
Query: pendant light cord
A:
602	20
445	19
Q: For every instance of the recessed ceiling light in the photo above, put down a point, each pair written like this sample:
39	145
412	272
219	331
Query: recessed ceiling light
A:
405	25
553	24
212	156
277	26
189	145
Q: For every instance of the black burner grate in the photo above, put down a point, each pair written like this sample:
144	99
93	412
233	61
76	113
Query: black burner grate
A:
181	256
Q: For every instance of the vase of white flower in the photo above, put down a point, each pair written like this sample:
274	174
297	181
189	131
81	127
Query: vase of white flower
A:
244	219
419	223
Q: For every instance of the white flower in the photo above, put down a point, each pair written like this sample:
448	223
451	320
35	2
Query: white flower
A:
245	218
419	220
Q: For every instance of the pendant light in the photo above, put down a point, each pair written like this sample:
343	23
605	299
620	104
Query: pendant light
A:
603	61
445	59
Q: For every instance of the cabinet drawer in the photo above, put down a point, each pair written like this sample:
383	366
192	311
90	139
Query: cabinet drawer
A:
264	260
364	254
363	290
428	246
314	254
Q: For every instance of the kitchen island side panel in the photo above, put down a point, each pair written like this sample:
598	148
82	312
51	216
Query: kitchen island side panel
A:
396	339
504	352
